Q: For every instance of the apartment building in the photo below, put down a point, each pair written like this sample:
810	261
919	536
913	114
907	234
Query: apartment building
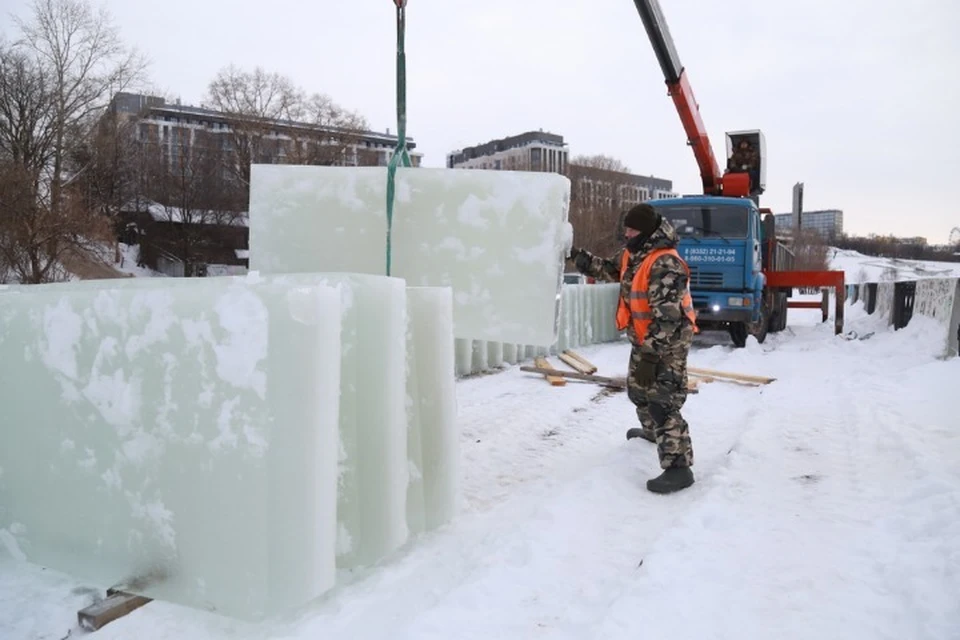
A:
175	127
593	188
827	222
530	151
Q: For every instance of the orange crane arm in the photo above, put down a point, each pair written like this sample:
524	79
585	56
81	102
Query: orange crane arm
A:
678	87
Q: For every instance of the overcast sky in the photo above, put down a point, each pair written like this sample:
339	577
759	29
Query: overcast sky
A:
858	99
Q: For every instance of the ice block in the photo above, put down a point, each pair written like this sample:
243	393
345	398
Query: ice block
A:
431	337
498	238
182	432
373	465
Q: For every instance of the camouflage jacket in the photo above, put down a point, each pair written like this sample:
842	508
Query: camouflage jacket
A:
743	158
668	283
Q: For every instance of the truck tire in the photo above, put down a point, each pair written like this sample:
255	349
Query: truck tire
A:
778	316
738	333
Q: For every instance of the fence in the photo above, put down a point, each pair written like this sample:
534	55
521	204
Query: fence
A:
587	316
898	302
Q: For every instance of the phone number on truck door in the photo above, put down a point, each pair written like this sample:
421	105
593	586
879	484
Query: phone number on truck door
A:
711	254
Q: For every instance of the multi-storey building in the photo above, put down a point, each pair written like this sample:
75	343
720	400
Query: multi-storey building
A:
828	222
175	127
530	151
593	188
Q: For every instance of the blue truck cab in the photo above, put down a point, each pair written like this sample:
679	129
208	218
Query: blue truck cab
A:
723	241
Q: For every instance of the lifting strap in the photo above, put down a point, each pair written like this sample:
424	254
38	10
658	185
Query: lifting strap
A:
400	154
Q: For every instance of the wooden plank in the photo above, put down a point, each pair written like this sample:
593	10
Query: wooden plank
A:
586	363
614	383
116	605
553	378
730	376
576	364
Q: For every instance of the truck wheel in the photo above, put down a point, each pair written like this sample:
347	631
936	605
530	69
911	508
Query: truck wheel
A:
738	333
759	329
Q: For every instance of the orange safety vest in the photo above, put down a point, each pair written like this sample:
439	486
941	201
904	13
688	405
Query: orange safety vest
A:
639	309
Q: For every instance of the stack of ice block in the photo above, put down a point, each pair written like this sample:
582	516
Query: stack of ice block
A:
233	440
228	443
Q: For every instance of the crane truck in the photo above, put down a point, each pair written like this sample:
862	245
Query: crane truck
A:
729	245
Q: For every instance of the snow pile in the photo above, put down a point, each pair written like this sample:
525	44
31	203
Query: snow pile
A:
859	268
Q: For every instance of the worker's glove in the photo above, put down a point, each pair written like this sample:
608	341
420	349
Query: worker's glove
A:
580	258
646	373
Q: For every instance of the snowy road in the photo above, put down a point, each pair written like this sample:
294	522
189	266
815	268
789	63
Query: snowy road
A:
827	505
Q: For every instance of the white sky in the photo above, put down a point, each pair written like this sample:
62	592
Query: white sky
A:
858	99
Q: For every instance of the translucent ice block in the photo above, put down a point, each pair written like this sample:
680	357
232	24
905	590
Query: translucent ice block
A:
373	471
431	337
498	238
183	433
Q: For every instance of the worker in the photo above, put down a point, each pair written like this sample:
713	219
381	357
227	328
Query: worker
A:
656	310
744	158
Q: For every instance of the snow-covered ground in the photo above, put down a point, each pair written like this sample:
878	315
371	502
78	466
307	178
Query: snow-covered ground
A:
861	268
827	505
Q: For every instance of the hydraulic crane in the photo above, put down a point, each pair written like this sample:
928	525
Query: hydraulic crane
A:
729	183
741	275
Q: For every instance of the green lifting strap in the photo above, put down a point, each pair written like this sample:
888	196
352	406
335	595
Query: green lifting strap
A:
400	154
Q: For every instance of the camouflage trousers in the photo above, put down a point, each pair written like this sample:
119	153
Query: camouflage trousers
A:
658	406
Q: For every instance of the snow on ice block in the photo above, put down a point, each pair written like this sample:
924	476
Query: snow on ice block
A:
435	465
182	432
498	238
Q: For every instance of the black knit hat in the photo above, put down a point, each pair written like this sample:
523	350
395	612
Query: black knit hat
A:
643	218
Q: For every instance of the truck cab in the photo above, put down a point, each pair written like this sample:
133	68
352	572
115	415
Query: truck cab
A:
722	241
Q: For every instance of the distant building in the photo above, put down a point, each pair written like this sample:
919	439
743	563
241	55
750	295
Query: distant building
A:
828	223
530	151
176	126
592	188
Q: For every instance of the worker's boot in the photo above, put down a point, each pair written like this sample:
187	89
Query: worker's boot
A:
672	479
637	432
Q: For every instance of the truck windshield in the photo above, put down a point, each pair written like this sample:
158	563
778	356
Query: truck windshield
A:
716	221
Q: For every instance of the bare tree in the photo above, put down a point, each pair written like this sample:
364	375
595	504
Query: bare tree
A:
112	161
34	235
811	251
85	63
271	117
34	239
600	161
191	197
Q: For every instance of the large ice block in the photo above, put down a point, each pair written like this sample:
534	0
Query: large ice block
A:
183	432
498	238
373	468
434	406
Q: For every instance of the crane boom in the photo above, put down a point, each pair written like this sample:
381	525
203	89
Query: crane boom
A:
678	87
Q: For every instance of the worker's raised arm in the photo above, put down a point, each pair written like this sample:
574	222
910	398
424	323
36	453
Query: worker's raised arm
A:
605	269
668	284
